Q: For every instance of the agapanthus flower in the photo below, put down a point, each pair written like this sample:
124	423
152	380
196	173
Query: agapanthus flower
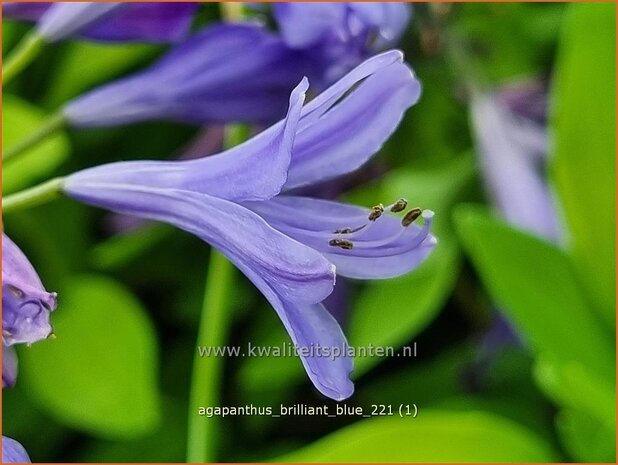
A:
336	36
13	452
288	246
26	305
513	147
106	21
224	73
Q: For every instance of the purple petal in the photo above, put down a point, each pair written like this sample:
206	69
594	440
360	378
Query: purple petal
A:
64	19
381	249
513	170
9	366
226	73
26	11
298	273
304	24
142	21
388	19
311	326
13	452
149	22
254	170
25	302
337	137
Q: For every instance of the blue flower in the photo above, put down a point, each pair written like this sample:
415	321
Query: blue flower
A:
107	21
335	37
13	452
241	202
224	73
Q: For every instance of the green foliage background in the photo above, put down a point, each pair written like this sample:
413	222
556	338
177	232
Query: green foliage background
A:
114	384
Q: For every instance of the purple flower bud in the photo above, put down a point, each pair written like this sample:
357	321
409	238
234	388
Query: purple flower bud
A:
337	36
239	201
13	452
224	73
513	151
26	304
148	21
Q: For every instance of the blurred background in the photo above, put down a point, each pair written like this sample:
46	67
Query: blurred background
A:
512	144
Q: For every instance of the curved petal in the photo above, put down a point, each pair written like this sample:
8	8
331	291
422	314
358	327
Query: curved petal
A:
313	329
226	73
303	24
26	11
26	304
9	366
254	170
299	273
13	452
381	249
337	136
63	19
388	19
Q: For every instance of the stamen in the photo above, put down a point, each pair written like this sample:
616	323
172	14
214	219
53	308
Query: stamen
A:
6	333
347	245
16	292
376	212
409	217
399	206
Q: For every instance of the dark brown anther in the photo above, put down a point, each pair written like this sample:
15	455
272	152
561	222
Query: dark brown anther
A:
344	231
347	245
399	206
16	292
376	212
412	215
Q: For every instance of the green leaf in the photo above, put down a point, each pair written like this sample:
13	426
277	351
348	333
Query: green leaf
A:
584	120
537	286
85	65
585	438
99	375
20	119
434	436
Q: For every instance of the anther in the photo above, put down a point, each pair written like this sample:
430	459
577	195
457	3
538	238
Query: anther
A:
399	206
16	292
376	212
409	217
344	231
347	245
6	333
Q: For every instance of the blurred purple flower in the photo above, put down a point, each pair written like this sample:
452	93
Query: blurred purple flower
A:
513	149
26	304
336	36
13	452
287	244
147	21
225	73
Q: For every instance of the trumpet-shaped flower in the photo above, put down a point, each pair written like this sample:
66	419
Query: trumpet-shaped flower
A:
288	246
13	452
337	36
224	73
26	304
110	21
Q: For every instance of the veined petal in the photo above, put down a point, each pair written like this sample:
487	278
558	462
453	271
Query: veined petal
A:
303	24
254	170
389	19
13	452
63	19
338	134
226	73
380	249
299	273
9	366
26	304
26	11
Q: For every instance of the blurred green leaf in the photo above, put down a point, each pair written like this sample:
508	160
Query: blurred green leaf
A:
537	287
584	163
585	438
99	375
84	65
19	120
434	436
